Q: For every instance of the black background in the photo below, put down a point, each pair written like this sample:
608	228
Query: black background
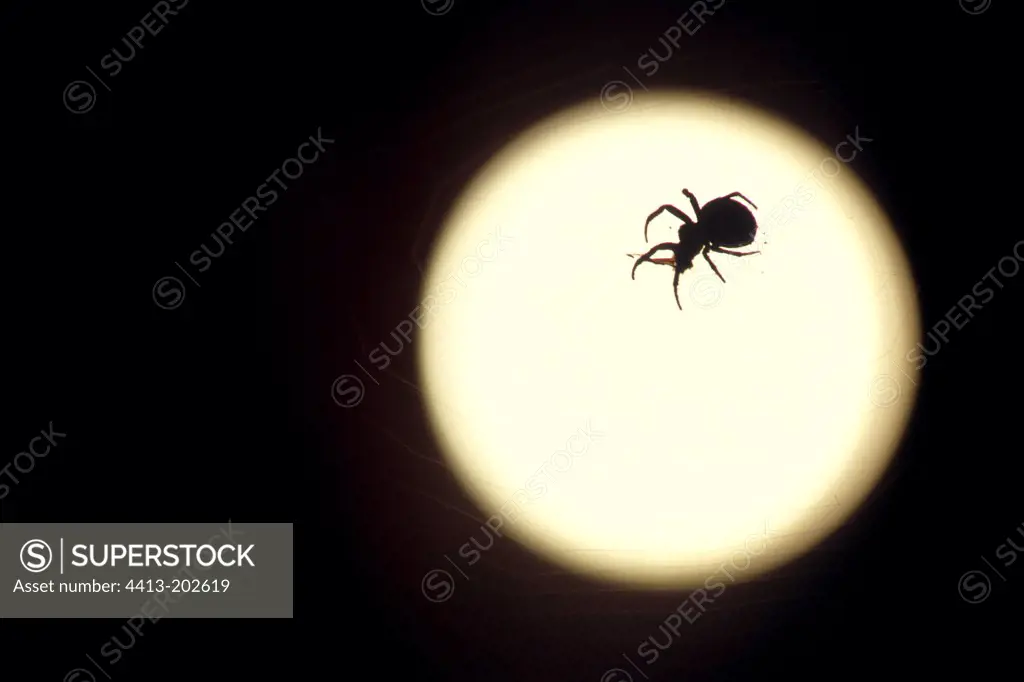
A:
221	408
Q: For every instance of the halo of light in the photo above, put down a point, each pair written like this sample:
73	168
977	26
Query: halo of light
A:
754	422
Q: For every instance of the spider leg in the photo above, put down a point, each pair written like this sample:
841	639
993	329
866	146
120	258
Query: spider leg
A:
675	289
671	260
647	256
693	202
708	259
733	253
737	194
671	209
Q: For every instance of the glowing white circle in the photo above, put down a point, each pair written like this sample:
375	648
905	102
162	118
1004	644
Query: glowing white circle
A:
762	413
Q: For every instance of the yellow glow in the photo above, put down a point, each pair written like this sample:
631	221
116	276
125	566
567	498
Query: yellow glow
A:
749	409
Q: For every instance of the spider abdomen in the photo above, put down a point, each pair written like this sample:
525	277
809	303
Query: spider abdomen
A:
728	223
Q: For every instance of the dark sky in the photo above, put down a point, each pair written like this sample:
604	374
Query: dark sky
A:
221	407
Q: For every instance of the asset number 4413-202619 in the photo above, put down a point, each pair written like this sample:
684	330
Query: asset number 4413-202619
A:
178	585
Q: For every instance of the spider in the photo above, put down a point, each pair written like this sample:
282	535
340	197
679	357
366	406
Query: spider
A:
721	222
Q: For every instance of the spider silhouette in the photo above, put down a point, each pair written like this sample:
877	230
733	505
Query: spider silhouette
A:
720	223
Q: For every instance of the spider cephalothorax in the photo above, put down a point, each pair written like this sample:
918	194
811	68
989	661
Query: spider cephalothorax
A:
722	222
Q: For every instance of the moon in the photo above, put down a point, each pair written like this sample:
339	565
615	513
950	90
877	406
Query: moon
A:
627	441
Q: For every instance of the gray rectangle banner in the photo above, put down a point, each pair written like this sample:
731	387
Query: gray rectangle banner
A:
148	570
